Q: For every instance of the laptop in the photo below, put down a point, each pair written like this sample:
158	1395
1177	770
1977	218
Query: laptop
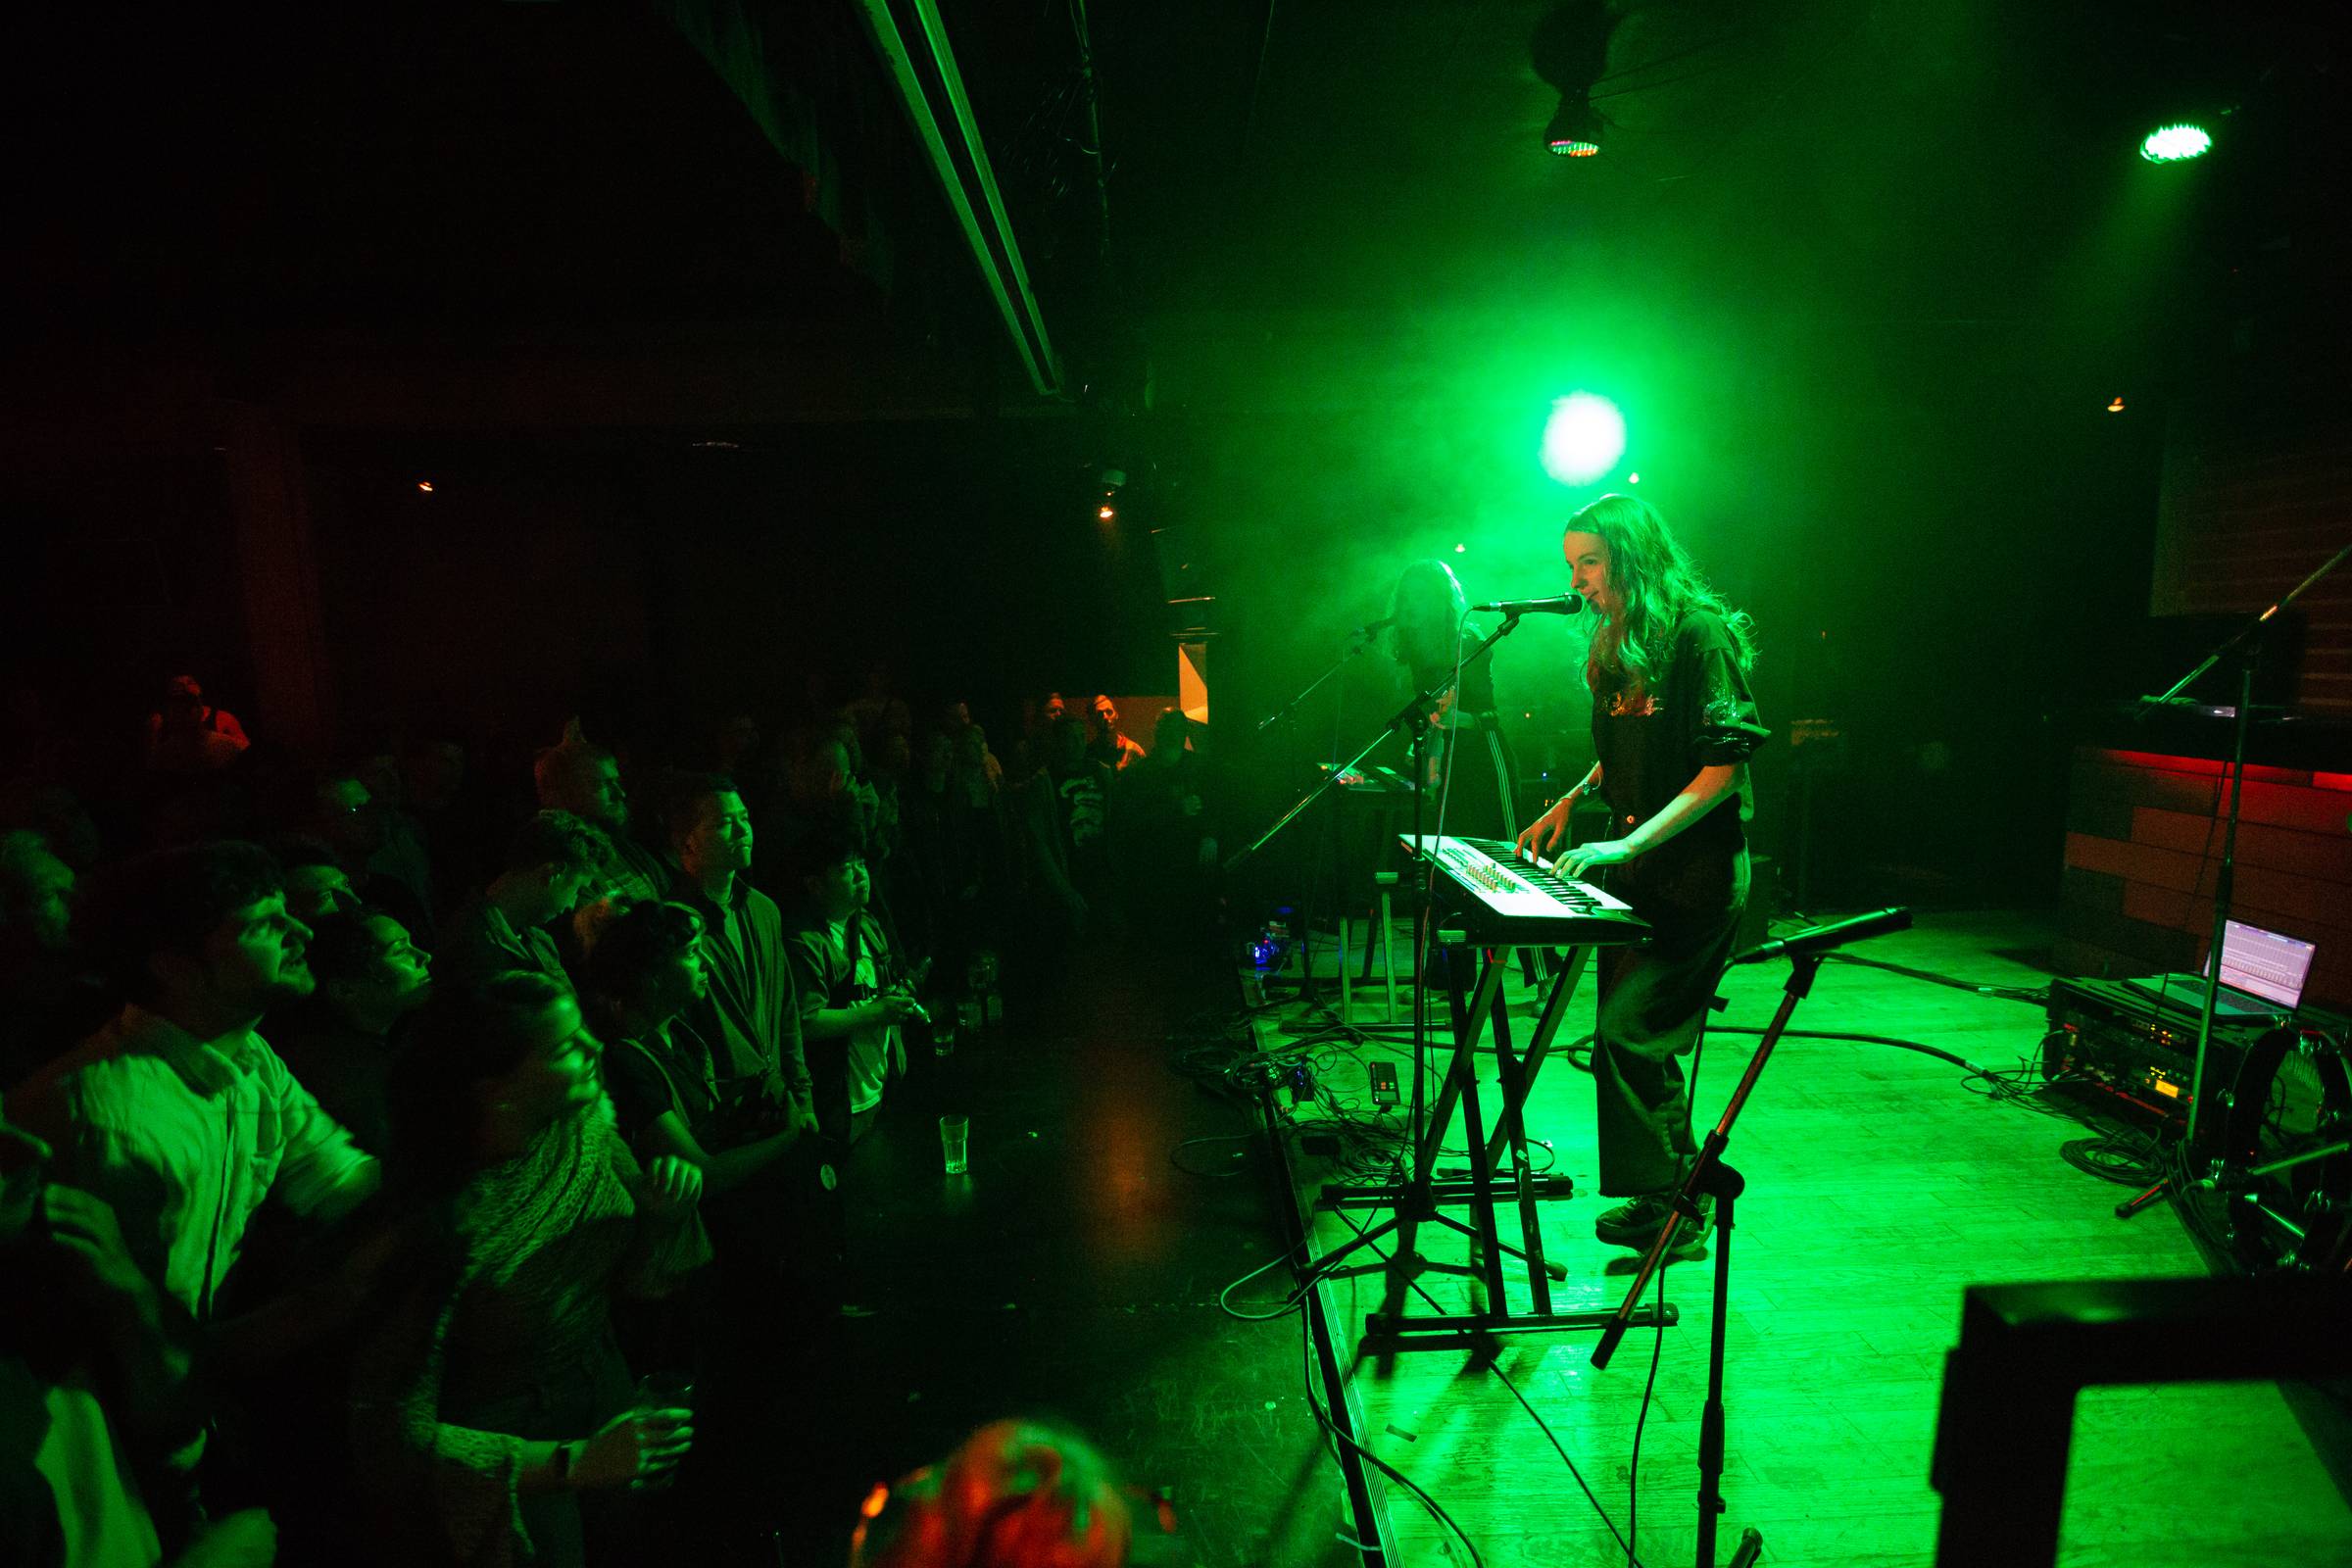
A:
2263	974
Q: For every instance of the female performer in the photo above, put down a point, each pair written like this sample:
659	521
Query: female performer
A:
1427	613
1673	725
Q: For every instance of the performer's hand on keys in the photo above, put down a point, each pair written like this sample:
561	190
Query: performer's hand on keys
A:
1549	829
1592	856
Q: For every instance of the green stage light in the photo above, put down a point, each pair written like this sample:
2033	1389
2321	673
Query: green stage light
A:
1582	439
2173	144
1575	130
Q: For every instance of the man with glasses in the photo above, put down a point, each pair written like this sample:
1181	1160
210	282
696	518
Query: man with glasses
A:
371	975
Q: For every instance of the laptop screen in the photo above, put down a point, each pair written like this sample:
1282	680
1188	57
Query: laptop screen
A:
2263	963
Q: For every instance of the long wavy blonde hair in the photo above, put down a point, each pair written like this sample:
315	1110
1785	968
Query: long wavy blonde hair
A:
1655	585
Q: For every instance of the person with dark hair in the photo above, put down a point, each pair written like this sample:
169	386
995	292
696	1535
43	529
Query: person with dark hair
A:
315	881
645	970
1066	811
1013	1495
52	1000
751	1019
403	858
850	1002
491	1411
819	796
1673	725
575	776
178	1113
549	864
1105	742
1480	795
371	975
185	734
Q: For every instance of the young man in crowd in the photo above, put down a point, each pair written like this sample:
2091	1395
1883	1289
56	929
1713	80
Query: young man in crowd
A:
751	1019
1105	742
371	975
95	1391
549	866
178	1115
850	1008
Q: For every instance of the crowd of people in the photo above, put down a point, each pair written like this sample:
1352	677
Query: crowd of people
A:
387	1146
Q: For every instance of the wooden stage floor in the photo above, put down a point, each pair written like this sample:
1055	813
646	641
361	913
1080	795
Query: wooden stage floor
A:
1880	1185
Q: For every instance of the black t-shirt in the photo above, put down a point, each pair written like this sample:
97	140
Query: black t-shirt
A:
664	1071
1698	712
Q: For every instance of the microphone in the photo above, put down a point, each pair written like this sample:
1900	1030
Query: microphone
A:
1373	627
1837	934
1557	605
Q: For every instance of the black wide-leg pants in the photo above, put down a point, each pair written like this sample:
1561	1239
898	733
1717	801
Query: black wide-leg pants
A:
1653	1008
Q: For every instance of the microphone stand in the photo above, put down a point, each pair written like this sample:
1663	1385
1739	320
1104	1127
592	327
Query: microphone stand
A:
1365	636
2246	645
1709	1175
1414	716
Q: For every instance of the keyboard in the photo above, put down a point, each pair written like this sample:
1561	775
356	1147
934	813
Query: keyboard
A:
1500	899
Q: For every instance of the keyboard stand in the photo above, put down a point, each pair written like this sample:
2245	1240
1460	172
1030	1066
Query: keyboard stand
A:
1423	1199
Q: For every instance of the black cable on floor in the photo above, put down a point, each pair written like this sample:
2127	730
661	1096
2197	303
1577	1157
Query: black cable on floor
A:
1542	1425
1436	1510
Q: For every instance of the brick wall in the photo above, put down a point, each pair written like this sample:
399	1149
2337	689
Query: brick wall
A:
2143	845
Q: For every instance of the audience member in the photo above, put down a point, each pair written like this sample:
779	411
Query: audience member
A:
403	856
315	883
1013	1495
820	796
185	734
371	974
645	970
491	1411
100	1418
851	1004
585	781
549	865
750	1018
52	999
178	1113
1105	740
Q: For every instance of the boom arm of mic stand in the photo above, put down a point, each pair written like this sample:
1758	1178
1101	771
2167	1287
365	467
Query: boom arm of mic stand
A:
2148	705
1403	717
1288	708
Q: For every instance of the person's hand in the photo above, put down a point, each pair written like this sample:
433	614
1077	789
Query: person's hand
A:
246	1538
83	1227
1540	836
896	1007
1592	856
803	1119
632	1448
672	1186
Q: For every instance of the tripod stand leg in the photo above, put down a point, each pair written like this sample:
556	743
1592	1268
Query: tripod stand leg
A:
1511	1129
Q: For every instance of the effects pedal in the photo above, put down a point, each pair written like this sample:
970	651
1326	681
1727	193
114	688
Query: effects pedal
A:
1384	1083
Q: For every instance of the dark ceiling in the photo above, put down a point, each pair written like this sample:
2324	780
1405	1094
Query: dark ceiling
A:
513	169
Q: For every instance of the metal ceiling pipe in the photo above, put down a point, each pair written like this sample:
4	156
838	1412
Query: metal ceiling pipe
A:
931	89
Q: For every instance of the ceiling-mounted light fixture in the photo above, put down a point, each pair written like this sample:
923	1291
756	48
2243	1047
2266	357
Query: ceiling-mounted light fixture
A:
1575	130
2176	143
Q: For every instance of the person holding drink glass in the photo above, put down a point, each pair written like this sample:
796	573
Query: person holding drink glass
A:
493	1417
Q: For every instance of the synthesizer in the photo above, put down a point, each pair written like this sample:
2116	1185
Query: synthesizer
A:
1500	899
